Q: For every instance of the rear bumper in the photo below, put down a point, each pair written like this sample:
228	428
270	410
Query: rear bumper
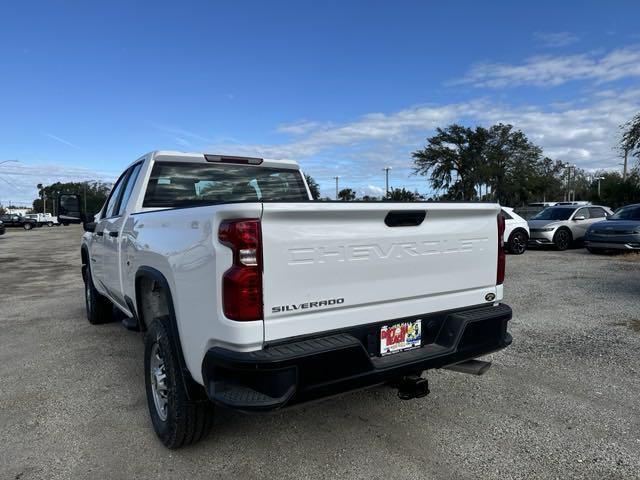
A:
308	368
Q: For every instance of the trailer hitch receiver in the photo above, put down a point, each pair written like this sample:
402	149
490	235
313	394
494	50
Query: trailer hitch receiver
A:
412	386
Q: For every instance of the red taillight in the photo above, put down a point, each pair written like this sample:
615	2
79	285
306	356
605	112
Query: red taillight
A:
501	255
242	283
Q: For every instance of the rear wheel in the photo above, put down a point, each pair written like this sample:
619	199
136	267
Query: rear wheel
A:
99	308
176	420
518	242
562	239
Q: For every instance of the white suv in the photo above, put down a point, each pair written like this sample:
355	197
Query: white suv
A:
516	231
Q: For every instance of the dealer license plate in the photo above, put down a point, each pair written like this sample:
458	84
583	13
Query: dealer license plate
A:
400	336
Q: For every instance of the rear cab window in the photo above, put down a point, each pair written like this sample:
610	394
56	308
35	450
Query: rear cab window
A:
181	184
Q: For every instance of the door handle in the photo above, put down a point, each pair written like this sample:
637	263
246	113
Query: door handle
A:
113	234
99	234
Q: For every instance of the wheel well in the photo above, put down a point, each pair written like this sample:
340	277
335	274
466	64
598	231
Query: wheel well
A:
152	300
518	230
566	229
84	255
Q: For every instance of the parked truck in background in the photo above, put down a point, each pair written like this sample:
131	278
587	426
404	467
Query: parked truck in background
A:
253	297
13	220
43	219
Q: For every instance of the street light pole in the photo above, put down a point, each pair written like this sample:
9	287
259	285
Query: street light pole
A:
336	179
386	182
599	178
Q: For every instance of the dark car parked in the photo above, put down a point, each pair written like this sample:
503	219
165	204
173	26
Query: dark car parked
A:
1	227
621	231
12	220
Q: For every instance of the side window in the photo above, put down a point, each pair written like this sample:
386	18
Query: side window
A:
131	181
113	197
596	212
506	215
582	212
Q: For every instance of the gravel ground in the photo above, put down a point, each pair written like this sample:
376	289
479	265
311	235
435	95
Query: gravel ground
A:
561	402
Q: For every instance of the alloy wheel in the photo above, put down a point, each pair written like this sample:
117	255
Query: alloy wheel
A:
518	243
159	387
563	240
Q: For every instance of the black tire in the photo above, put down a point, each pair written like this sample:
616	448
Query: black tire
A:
27	226
562	239
49	224
517	243
185	422
99	308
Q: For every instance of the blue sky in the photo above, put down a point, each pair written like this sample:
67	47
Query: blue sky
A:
345	88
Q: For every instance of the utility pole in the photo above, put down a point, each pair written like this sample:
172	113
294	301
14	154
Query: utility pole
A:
336	179
386	183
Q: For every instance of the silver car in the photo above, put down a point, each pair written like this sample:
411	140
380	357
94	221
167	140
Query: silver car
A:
563	225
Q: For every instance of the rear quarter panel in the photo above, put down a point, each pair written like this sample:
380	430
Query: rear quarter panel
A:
182	244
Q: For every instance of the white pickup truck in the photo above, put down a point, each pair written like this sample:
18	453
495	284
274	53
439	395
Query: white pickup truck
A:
252	296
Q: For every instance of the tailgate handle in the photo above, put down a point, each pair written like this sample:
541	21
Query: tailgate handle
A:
404	218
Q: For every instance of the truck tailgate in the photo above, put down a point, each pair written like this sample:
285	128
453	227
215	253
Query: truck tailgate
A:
330	265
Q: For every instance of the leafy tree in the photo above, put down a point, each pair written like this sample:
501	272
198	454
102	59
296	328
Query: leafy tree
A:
630	141
631	136
314	188
96	195
511	163
401	195
346	195
453	159
614	190
500	160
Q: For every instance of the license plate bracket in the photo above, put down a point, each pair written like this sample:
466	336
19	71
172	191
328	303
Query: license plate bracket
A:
401	336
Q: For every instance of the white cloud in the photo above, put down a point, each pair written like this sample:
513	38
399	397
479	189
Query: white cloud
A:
313	138
18	180
582	132
556	39
371	190
549	70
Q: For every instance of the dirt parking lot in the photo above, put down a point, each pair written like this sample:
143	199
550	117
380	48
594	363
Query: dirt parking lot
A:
561	402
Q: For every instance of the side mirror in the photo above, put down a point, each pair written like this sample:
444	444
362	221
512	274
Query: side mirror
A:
89	227
69	209
579	217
